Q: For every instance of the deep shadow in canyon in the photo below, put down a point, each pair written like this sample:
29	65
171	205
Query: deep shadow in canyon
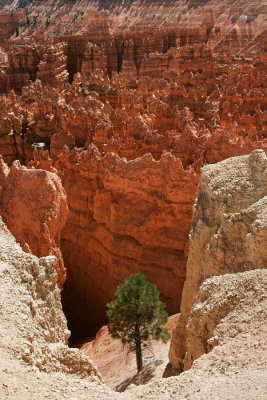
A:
85	325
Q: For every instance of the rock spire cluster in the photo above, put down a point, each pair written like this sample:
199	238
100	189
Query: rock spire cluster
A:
120	109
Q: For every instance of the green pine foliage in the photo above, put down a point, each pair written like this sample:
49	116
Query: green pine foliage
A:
137	315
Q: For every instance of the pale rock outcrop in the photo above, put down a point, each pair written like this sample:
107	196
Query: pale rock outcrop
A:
229	234
33	326
228	323
226	309
35	361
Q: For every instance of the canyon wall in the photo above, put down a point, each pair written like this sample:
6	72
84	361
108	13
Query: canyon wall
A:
218	23
228	235
35	361
123	218
171	118
33	204
135	38
133	116
227	331
125	103
110	110
26	63
9	22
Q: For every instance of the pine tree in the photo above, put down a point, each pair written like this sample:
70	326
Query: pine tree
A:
137	315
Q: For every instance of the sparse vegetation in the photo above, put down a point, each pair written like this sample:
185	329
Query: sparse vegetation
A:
137	315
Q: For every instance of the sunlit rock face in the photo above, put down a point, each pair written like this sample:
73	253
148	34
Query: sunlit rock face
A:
34	207
228	235
123	106
124	216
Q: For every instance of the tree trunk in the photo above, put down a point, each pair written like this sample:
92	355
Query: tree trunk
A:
138	350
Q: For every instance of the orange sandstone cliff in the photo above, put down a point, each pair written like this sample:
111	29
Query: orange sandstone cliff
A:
33	204
121	106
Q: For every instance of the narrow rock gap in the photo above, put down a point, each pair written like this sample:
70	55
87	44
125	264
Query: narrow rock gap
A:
80	332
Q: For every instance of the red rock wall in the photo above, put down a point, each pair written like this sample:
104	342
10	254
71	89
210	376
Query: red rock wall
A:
33	205
30	62
217	22
130	39
9	21
147	89
134	213
124	217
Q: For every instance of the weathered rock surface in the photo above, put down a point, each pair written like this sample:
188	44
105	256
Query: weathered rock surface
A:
34	358
187	80
229	233
191	21
29	62
35	361
132	118
124	216
148	92
204	116
227	322
31	310
118	367
33	204
9	21
131	38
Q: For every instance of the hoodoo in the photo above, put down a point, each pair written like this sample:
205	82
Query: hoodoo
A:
133	138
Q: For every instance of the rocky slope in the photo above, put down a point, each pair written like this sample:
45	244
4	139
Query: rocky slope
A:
229	232
210	20
118	367
227	322
33	331
34	360
133	38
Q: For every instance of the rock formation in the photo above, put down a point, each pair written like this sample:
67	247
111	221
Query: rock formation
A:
33	331
33	205
30	62
111	110
163	92
35	360
9	22
228	235
52	67
124	215
134	38
118	366
227	322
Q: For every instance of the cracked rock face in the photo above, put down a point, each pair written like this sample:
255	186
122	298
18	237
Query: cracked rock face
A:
33	204
229	233
226	339
123	218
226	309
33	326
129	80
